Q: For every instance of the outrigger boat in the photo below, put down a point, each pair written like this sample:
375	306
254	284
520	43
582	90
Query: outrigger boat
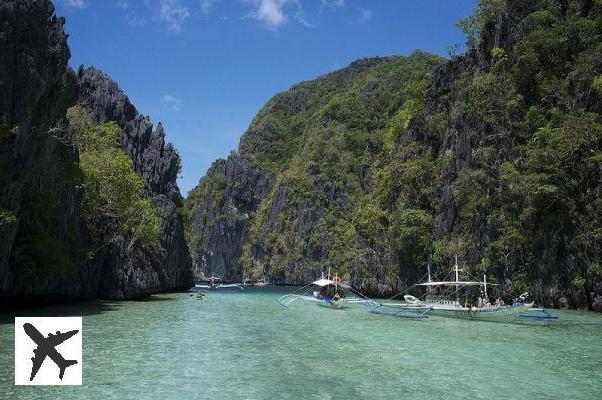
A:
215	283
441	302
333	293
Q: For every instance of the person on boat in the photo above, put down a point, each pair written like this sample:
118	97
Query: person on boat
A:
324	292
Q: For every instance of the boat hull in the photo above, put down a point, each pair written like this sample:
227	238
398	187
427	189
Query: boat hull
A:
492	314
220	287
332	304
329	302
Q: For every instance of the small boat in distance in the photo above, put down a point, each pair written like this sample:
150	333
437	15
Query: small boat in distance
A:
333	293
255	282
262	282
216	283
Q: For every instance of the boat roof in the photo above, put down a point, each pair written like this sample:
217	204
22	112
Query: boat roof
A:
325	282
451	283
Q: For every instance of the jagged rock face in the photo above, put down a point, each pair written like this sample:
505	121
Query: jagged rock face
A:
232	191
44	245
155	161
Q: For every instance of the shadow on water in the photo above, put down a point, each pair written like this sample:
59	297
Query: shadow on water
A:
8	314
153	298
79	309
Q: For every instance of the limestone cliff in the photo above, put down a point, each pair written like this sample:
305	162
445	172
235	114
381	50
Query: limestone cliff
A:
45	249
232	191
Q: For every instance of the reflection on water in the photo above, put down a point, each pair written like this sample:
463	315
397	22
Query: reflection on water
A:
243	345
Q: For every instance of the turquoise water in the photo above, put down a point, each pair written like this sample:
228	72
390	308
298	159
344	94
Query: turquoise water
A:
243	345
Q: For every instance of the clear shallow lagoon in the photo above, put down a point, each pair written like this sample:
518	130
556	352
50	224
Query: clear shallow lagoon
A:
243	345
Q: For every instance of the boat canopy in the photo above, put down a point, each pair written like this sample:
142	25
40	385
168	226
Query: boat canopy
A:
323	282
451	283
326	282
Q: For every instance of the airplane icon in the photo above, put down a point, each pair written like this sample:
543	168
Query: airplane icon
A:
46	347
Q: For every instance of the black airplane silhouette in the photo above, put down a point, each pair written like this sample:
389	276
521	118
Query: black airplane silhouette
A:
46	347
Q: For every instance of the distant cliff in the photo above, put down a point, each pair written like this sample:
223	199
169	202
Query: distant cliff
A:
389	164
231	192
46	251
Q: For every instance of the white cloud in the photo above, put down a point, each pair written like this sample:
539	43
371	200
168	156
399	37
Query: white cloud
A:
207	6
75	3
173	13
271	13
171	103
123	4
275	13
363	14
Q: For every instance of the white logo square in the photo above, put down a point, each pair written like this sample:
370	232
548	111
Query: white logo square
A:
48	350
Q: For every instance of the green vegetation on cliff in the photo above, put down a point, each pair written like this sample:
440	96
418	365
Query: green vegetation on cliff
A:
111	188
352	122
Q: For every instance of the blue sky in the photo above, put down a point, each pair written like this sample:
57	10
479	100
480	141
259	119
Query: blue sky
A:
205	67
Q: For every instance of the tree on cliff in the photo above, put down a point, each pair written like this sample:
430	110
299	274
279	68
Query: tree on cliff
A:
111	189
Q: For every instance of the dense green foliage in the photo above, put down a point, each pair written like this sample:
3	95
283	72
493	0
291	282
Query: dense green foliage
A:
381	168
319	136
538	181
111	188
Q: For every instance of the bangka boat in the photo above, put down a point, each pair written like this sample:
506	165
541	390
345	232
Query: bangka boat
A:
333	293
443	299
216	283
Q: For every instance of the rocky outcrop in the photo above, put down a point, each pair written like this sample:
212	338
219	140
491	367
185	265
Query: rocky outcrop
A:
44	245
157	163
